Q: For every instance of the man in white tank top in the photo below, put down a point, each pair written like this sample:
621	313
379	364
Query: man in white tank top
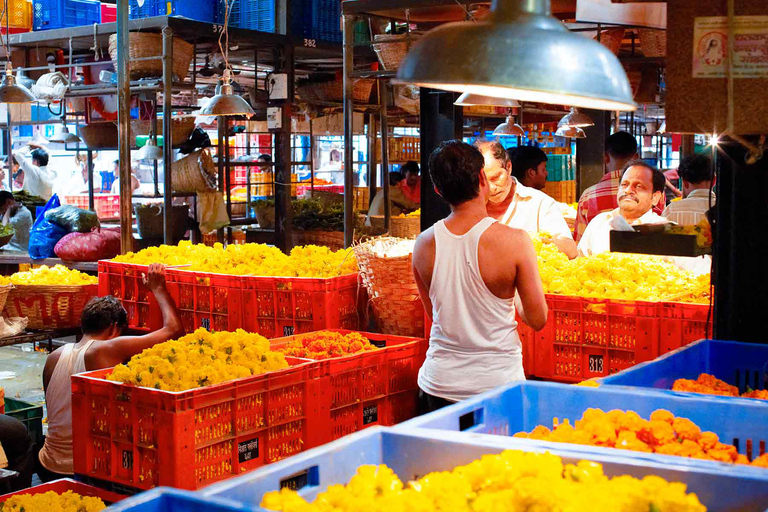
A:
472	273
102	346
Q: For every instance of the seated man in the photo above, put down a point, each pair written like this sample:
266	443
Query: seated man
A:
411	185
18	216
696	173
640	189
400	203
473	273
102	346
512	203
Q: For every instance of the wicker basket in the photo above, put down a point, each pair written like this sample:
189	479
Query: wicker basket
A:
334	90
399	227
150	44
194	173
612	38
4	291
653	42
391	49
103	135
182	128
5	240
265	215
334	240
393	294
49	307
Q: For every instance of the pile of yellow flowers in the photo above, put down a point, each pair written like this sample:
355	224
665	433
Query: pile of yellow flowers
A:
249	259
58	275
415	213
200	359
510	481
614	275
45	502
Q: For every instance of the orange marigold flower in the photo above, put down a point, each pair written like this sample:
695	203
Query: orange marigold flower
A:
723	452
692	449
741	459
686	429
658	433
662	415
603	433
708	440
541	433
760	393
627	440
673	448
761	461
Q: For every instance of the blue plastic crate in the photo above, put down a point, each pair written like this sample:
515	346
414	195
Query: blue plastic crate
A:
326	24
412	454
51	14
744	365
250	14
165	499
523	406
200	10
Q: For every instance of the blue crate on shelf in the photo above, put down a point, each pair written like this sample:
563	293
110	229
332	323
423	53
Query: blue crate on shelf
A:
523	406
412	453
200	10
165	499
744	365
326	16
52	14
250	14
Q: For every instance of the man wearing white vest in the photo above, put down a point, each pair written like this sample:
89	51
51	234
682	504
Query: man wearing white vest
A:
473	273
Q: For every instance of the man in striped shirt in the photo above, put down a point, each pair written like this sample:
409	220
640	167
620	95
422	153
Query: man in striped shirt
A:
696	173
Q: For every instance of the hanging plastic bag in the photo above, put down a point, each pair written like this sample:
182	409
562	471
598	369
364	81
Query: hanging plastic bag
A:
44	234
73	219
211	211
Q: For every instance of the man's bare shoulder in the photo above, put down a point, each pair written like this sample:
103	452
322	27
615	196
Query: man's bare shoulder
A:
505	237
425	239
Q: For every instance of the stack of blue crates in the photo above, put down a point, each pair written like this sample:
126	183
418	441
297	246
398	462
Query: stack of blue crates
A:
200	10
251	14
52	14
560	168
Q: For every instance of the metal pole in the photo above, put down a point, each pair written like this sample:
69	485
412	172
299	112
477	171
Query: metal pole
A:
282	163
167	136
123	126
10	146
156	173
221	133
349	202
91	205
227	176
383	97
372	136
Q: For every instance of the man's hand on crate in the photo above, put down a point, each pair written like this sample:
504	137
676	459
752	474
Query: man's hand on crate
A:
154	279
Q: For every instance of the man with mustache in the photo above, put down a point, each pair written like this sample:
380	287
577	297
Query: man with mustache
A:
640	189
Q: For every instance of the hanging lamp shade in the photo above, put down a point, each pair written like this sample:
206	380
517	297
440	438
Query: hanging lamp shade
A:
662	128
572	132
39	139
62	135
520	51
575	119
226	103
150	151
11	92
471	100
509	127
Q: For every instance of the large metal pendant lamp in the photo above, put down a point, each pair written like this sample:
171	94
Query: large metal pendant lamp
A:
519	52
150	151
575	119
509	127
10	91
572	132
474	100
63	136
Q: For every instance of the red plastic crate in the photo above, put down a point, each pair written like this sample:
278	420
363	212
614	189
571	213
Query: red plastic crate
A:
124	281
378	387
284	306
106	206
108	13
587	338
67	484
681	324
306	189
139	438
211	301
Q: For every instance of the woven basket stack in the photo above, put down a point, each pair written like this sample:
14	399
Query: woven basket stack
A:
49	306
392	290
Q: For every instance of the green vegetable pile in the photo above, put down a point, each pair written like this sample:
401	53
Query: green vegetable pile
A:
6	230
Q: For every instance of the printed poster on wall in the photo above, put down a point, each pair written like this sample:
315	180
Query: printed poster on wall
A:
710	47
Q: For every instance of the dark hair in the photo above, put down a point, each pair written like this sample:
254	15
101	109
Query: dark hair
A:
5	196
395	177
497	150
696	169
264	158
621	145
524	158
411	167
15	162
659	180
101	313
455	168
40	155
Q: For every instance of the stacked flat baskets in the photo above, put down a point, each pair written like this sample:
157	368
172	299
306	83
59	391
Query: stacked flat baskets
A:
392	290
399	227
49	306
4	292
391	48
148	44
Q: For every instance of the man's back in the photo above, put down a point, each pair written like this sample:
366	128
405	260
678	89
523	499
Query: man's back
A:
691	210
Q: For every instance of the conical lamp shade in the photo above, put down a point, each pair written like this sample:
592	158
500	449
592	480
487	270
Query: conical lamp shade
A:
39	139
575	119
150	151
509	127
572	132
472	100
11	92
227	104
519	52
662	128
62	136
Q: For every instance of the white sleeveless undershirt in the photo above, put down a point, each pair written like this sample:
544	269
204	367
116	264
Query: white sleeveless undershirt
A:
474	345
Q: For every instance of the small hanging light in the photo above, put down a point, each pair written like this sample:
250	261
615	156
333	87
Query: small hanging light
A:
226	103
472	100
509	127
150	151
62	135
11	92
575	119
39	139
572	132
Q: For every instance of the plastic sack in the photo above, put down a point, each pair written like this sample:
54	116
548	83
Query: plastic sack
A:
45	235
211	211
73	219
99	244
